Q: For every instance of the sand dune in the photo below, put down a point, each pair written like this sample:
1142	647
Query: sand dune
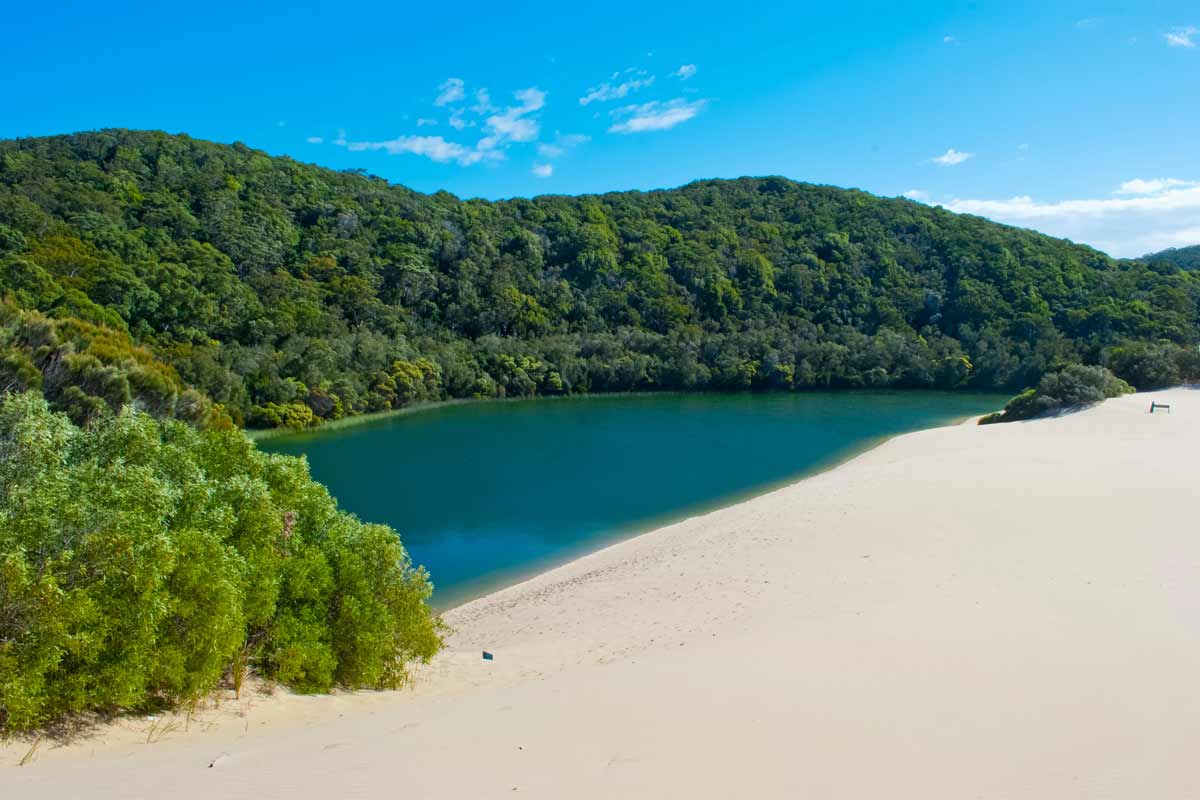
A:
1010	611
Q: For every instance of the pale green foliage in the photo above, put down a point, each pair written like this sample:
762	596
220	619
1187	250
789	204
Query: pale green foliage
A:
139	560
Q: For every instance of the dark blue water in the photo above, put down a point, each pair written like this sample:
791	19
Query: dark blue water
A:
485	493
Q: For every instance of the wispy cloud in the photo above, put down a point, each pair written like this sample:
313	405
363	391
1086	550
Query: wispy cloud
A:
450	91
1088	22
314	140
949	40
1158	213
543	170
655	115
483	102
561	144
423	121
685	72
515	124
917	194
1153	185
1181	37
618	86
435	148
458	122
951	158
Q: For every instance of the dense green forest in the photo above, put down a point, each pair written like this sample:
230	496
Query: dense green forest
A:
215	283
144	561
1182	257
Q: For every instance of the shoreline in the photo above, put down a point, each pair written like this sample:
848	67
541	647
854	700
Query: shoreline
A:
548	573
995	611
621	535
359	420
257	435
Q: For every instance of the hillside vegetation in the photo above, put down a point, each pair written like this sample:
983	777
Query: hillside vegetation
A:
137	266
1182	257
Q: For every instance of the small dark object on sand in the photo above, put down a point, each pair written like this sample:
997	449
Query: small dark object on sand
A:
1154	405
487	656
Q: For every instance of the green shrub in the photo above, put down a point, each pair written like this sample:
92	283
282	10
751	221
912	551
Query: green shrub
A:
1073	386
142	560
281	415
1153	365
86	369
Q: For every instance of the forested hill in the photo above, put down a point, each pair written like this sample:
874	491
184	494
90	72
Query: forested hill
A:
135	265
1182	257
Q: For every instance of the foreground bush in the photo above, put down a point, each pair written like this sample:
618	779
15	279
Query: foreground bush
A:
142	561
1074	386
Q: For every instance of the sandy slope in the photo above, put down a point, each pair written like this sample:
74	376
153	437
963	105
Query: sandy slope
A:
1001	612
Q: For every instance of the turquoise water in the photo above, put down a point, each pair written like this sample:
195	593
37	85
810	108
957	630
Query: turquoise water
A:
486	493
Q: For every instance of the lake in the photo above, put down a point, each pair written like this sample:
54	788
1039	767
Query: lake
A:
486	493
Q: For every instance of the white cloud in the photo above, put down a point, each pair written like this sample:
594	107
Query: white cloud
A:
314	140
949	40
423	121
457	122
561	144
514	124
655	116
543	170
1181	37
685	72
917	194
450	91
951	158
1153	185
610	90
434	148
1165	215
340	141
483	102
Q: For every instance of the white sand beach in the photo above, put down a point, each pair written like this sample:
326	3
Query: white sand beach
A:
1008	611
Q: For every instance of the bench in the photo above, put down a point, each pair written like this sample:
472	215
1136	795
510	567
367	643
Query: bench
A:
1154	405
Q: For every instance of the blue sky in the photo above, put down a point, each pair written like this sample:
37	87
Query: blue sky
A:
1079	119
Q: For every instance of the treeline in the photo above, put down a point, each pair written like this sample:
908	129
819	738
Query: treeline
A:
143	562
1182	257
290	294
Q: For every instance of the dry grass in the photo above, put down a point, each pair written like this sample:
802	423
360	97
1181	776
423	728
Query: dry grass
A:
161	728
31	754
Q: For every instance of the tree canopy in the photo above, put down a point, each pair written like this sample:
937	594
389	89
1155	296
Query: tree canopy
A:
287	294
1182	257
143	561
